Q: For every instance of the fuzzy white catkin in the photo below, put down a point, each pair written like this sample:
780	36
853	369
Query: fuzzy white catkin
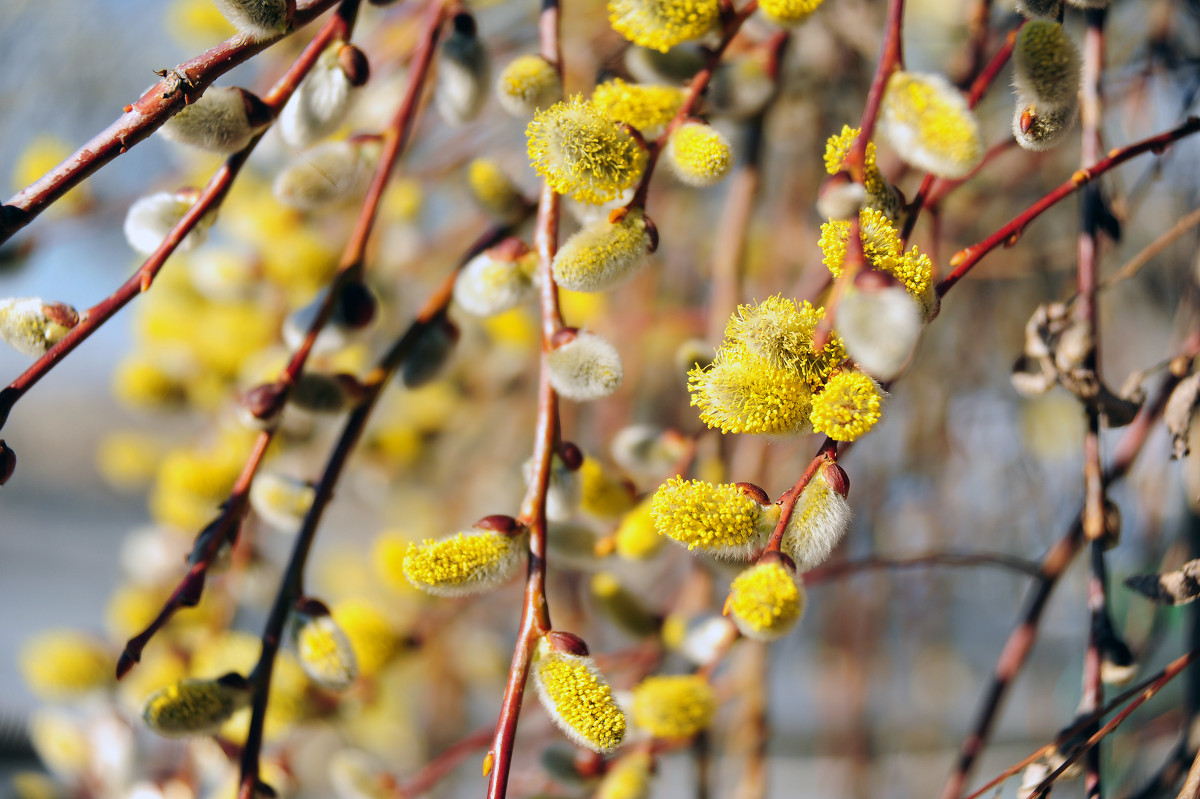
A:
463	76
585	368
151	218
320	104
603	254
1039	8
818	522
879	328
326	175
217	122
259	19
1046	64
488	285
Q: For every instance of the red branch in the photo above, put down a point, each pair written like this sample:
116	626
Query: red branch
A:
1010	233
178	87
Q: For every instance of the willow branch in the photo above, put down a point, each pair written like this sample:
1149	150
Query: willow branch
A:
210	199
834	571
178	87
1009	234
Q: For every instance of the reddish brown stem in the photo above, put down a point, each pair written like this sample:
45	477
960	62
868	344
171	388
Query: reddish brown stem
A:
891	59
964	260
179	86
211	197
535	612
787	502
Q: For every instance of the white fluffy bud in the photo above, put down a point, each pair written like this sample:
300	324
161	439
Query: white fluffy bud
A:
463	73
30	325
151	218
879	327
328	174
583	366
497	279
259	19
321	102
223	120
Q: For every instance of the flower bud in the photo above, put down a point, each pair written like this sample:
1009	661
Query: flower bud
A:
221	560
469	562
604	254
354	310
575	694
495	192
628	778
621	605
429	354
323	649
259	19
196	707
1046	64
31	326
879	323
740	392
496	280
819	519
780	331
324	393
698	155
766	600
928	123
721	520
320	104
1040	128
222	120
463	73
152	217
528	83
281	501
583	366
673	707
328	174
848	407
788	13
580	151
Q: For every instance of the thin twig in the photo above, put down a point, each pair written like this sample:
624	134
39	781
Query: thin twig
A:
178	87
1009	234
834	571
1152	250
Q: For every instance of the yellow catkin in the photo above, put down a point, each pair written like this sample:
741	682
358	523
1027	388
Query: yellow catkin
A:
60	664
528	83
647	108
603	255
765	601
494	190
698	154
788	12
193	707
718	519
636	536
465	563
602	494
370	633
848	407
780	331
662	24
739	392
580	151
673	707
629	778
838	147
325	653
927	121
578	699
882	248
